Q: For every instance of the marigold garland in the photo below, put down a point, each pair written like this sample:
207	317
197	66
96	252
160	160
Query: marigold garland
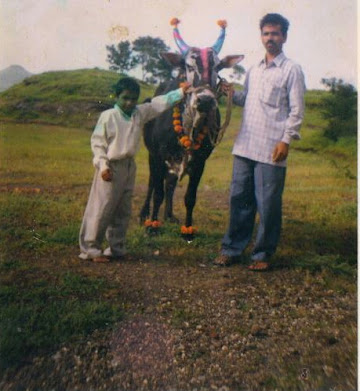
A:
184	138
154	224
188	230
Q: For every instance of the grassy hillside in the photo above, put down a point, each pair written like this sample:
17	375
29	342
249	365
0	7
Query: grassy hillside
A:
74	98
70	98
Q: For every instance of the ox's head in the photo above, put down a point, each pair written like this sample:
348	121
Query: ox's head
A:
202	65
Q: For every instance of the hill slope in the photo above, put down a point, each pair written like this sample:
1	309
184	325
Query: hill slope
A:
12	75
70	98
75	98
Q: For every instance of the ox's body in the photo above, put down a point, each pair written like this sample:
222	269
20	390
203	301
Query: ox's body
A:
168	161
170	158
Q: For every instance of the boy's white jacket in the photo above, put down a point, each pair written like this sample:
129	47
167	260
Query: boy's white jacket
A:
117	136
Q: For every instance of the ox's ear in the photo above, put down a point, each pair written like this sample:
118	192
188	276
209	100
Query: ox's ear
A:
174	59
229	61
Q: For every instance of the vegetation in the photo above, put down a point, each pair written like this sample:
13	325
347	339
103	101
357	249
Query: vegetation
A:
228	327
340	109
143	52
70	98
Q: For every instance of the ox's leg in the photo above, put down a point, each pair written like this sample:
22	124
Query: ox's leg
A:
145	210
170	185
190	196
158	182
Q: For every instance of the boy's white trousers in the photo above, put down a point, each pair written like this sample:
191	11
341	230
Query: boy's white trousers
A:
108	211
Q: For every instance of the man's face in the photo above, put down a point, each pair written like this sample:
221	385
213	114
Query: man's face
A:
127	101
272	38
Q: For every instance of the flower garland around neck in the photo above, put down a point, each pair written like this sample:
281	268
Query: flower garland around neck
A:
183	134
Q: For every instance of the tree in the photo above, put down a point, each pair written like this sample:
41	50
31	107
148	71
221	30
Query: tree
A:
237	72
147	55
340	109
120	57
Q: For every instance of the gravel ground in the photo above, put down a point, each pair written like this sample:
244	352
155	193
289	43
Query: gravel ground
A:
206	328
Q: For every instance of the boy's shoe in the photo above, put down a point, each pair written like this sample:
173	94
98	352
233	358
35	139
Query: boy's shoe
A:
101	259
226	260
259	266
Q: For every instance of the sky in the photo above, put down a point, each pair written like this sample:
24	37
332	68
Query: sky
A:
50	35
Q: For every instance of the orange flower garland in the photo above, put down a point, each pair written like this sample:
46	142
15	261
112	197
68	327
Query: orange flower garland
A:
154	224
183	137
188	230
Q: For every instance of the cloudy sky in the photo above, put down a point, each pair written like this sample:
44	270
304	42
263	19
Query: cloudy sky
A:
47	35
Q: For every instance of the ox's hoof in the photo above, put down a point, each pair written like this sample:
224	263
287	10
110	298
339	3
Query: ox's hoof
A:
188	237
152	227
188	233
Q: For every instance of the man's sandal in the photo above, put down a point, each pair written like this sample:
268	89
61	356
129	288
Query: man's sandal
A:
259	266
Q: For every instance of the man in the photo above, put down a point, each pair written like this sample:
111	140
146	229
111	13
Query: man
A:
273	100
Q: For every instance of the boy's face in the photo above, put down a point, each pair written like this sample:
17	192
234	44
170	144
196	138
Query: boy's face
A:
127	101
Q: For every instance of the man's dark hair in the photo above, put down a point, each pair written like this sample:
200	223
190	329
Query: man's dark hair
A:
275	19
127	83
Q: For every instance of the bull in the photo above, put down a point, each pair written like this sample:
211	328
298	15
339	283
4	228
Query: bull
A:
180	141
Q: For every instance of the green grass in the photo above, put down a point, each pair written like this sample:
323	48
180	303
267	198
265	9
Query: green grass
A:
46	312
46	173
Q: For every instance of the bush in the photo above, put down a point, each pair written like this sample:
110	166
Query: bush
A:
340	109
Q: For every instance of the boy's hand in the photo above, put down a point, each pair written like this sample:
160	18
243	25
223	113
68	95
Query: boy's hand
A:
106	175
185	86
280	152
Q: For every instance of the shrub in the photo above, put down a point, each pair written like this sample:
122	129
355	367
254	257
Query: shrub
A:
340	109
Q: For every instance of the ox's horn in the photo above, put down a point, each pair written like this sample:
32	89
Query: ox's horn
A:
178	40
218	44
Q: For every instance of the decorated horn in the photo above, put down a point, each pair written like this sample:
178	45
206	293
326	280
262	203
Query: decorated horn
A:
218	44
178	40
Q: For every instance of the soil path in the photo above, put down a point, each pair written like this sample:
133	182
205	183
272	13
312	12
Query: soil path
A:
206	328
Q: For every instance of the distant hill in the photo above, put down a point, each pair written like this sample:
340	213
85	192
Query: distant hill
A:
12	75
70	98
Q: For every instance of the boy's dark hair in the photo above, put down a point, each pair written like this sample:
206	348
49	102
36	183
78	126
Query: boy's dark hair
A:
127	83
275	19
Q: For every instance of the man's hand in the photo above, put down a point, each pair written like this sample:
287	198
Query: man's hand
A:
226	88
280	152
106	175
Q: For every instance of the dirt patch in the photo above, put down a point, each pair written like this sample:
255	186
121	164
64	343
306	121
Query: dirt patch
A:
203	328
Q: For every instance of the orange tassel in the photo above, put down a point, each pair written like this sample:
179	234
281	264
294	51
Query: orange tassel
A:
222	23
174	22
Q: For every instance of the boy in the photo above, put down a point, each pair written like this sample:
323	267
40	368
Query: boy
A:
114	143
